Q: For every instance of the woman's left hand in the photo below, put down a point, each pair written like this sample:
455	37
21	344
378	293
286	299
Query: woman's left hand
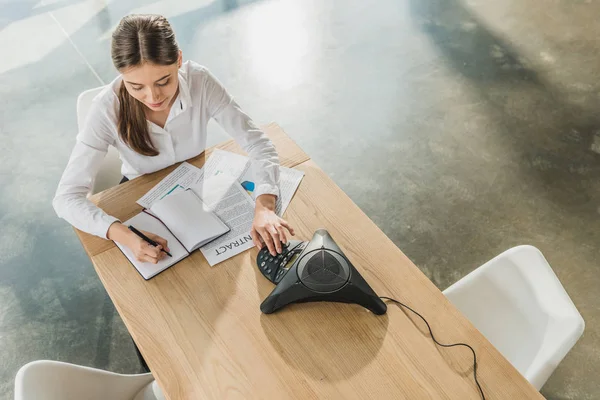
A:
267	227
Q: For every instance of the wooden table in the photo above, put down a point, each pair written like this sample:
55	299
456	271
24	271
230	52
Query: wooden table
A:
202	333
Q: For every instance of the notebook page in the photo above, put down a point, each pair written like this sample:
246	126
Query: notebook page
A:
189	219
148	223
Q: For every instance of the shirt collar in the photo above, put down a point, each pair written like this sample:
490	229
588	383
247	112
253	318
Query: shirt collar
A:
185	99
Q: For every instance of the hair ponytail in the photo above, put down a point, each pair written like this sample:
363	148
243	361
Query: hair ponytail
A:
136	40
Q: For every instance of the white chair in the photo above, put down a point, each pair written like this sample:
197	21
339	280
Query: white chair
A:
109	174
520	306
54	380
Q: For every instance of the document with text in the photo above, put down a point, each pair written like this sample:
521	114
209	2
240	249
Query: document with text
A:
224	196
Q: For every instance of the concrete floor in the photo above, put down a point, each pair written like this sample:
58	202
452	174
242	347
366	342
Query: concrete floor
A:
461	127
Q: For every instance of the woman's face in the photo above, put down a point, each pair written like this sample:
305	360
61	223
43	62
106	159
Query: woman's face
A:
154	85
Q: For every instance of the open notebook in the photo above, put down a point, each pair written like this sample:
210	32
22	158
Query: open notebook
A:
183	220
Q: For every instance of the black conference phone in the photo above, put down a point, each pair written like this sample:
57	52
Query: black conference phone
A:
316	270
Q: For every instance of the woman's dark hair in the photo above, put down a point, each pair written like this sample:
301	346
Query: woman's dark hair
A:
139	39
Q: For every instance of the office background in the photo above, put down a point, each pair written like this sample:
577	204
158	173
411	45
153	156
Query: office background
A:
461	127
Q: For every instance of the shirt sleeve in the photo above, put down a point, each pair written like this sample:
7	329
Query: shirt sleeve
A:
70	201
263	156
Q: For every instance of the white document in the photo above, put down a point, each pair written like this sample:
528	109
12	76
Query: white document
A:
289	180
239	166
224	196
184	176
221	161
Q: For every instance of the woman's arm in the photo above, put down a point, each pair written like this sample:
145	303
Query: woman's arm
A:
264	161
263	156
70	201
72	204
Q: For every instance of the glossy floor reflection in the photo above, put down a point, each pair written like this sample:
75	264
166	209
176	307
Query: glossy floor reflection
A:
461	127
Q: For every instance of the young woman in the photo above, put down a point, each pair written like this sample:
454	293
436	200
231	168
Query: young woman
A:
155	114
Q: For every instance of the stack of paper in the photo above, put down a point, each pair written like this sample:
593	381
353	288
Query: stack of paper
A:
233	204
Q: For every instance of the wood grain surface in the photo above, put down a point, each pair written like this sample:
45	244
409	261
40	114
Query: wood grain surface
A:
202	333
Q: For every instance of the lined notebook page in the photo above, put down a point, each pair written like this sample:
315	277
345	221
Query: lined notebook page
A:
148	223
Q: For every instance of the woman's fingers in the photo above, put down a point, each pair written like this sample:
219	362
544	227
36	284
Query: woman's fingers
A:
163	243
276	238
268	239
287	226
161	253
256	239
154	252
158	239
147	258
282	235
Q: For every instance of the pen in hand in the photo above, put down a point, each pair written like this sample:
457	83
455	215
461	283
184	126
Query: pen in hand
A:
147	239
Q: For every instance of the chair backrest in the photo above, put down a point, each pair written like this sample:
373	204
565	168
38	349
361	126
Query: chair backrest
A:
110	170
54	380
84	102
520	306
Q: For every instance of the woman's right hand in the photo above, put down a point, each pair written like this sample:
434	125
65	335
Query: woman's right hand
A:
142	250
